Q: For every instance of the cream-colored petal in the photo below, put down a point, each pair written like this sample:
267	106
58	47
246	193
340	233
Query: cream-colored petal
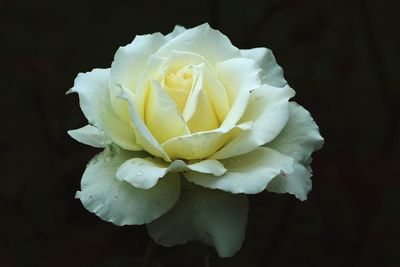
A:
300	137
120	202
145	172
163	118
141	172
268	109
211	216
193	99
210	166
297	183
271	73
202	40
94	98
249	173
199	112
90	135
239	76
178	29
179	59
143	136
217	94
202	144
129	63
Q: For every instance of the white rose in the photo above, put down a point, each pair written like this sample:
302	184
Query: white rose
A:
190	124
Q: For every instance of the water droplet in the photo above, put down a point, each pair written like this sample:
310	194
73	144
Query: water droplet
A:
139	173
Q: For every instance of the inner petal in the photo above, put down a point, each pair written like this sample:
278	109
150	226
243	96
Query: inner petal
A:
178	84
162	117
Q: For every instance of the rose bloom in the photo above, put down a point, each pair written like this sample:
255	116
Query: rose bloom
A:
190	125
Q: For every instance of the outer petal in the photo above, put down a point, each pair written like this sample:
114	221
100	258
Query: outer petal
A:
272	73
94	97
268	109
249	173
300	137
213	217
119	202
145	172
90	135
144	137
202	40
131	60
297	183
177	30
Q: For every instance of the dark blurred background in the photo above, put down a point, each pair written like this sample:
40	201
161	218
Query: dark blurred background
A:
341	56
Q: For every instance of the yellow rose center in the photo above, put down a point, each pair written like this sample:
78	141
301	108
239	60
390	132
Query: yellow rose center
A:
178	84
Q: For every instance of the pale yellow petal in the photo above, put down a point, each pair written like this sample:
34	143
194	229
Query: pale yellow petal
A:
162	116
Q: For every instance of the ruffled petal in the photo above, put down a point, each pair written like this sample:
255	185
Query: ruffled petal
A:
129	63
249	173
90	135
213	217
203	40
272	73
178	29
145	172
131	60
268	109
119	202
300	137
94	98
297	183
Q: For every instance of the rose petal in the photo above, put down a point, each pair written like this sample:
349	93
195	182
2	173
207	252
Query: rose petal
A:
178	29
297	183
163	118
129	63
94	99
201	145
268	109
192	101
300	137
145	172
90	135
131	60
217	94
198	110
213	217
203	40
119	202
143	136
239	77
249	173
272	73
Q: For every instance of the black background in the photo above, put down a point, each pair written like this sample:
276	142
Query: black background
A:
341	57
